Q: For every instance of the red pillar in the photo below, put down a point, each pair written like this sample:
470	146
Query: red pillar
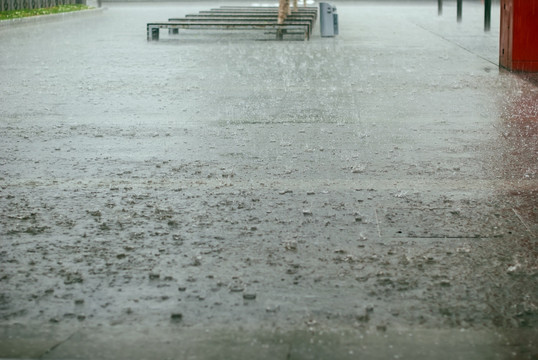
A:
518	49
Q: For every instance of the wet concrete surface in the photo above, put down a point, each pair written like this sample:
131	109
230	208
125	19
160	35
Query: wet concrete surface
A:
220	193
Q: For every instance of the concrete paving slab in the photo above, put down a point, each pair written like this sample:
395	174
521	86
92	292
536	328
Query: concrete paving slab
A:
425	344
23	342
168	343
316	341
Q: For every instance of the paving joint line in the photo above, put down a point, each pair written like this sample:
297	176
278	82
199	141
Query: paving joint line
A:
55	346
455	43
524	223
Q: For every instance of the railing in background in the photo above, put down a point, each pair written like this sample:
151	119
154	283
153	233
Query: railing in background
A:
7	5
487	15
459	12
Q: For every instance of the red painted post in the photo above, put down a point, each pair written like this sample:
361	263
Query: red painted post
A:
518	50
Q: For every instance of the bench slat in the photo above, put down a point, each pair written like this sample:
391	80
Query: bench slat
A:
240	20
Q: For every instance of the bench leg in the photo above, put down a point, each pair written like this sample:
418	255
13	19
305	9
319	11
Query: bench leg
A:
155	34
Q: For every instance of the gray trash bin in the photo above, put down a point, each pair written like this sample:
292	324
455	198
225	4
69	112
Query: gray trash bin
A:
328	20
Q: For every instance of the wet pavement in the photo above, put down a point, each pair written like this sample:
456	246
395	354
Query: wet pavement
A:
224	195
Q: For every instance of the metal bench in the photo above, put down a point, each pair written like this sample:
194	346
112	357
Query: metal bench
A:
242	18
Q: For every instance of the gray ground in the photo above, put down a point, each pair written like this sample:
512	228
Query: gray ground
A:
212	195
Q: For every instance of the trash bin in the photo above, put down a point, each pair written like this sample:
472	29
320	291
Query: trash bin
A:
328	20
